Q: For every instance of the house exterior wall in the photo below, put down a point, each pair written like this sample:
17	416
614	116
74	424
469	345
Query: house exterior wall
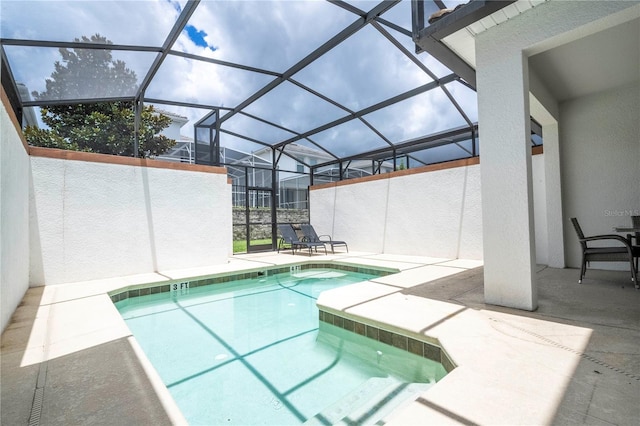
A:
600	151
92	219
287	163
14	214
177	122
502	54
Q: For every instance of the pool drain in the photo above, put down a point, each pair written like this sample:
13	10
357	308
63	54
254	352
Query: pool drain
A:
38	395
566	348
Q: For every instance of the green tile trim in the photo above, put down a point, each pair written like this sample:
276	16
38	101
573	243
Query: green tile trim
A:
400	341
154	288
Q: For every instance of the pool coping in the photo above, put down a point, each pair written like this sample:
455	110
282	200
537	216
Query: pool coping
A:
55	321
421	345
502	355
144	289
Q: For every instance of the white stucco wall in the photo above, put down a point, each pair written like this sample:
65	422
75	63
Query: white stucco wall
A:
431	214
504	105
600	150
94	220
435	213
540	208
352	213
14	214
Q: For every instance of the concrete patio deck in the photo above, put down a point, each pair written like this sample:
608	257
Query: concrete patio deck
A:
69	358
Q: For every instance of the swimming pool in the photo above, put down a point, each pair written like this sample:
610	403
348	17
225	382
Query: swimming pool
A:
254	352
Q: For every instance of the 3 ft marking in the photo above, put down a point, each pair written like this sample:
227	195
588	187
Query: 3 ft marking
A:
179	289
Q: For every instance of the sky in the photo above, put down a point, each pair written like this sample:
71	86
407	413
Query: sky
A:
273	35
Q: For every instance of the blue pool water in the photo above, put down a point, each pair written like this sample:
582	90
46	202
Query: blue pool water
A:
254	352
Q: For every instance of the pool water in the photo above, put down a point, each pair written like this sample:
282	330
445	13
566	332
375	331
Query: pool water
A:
253	352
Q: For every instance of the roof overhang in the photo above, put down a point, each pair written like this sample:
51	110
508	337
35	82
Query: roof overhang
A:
463	16
451	39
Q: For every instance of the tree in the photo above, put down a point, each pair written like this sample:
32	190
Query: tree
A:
105	127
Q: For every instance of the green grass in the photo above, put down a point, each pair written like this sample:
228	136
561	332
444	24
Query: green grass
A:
240	246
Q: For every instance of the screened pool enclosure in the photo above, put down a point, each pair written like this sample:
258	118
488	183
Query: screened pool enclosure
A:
285	94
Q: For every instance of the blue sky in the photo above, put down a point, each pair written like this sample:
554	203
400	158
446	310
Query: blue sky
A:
198	37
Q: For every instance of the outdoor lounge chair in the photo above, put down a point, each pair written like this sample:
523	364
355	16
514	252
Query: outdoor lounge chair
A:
311	235
624	252
289	236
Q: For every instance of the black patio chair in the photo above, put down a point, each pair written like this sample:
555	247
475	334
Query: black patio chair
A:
311	235
288	236
616	253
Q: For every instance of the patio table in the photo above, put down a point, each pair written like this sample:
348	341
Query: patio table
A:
626	229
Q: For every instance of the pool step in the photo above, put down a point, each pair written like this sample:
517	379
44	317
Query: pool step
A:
369	403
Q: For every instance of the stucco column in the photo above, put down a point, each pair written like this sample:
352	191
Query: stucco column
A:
553	190
505	166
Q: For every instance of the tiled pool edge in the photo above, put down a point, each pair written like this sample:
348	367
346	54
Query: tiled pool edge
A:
165	287
400	341
412	345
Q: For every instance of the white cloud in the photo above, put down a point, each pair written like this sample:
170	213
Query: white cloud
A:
123	22
363	70
268	34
